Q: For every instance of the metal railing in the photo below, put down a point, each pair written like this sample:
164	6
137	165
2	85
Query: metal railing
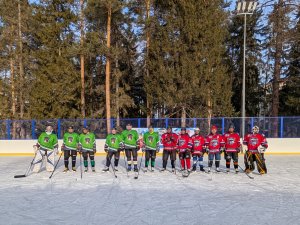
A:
279	127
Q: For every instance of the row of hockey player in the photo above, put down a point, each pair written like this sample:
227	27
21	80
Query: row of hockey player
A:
47	148
186	147
214	144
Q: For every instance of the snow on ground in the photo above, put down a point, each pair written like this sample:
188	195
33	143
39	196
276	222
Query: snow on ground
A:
155	198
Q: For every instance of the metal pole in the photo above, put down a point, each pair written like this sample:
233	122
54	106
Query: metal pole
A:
244	80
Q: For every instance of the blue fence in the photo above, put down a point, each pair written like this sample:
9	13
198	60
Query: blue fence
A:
281	127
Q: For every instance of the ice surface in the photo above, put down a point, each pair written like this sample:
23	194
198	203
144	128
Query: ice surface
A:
155	198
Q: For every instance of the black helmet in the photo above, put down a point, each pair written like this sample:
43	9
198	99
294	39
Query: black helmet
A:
231	126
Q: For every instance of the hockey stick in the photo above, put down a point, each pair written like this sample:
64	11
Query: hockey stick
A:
28	169
137	176
56	165
246	173
111	165
80	162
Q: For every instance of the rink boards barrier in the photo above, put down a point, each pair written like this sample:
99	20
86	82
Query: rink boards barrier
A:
271	127
25	147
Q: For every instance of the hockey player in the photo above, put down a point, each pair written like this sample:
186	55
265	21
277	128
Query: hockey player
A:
47	146
214	145
232	148
113	146
198	149
151	146
70	146
169	141
184	150
257	144
130	138
87	146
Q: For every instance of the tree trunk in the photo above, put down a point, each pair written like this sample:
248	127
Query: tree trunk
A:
117	89
277	66
183	117
82	60
148	105
20	57
107	69
13	92
209	116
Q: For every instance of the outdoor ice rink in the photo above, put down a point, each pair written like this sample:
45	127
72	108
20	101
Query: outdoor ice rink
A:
155	198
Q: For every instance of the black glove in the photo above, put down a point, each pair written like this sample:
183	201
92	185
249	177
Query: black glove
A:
238	150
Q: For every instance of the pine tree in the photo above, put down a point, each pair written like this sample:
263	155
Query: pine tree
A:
186	59
290	93
56	79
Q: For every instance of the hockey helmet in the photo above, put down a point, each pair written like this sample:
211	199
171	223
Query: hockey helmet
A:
255	129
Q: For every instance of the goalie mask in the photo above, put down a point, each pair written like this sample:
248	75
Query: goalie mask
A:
255	130
49	130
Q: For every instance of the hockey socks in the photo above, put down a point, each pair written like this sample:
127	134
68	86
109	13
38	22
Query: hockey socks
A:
182	161
85	163
152	162
66	163
188	164
93	163
173	163
74	161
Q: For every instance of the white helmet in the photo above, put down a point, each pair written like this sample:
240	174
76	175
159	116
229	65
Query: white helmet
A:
255	129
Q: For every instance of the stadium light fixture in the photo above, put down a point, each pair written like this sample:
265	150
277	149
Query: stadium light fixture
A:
245	7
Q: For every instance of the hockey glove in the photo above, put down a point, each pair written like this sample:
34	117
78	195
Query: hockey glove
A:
238	150
222	149
94	150
157	149
56	151
36	148
261	149
106	150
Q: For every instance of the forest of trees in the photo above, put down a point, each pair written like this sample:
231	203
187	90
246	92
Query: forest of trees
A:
146	59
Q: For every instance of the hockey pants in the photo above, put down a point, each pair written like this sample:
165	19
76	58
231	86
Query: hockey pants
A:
166	154
235	158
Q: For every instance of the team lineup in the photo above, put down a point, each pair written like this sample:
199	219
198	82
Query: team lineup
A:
189	149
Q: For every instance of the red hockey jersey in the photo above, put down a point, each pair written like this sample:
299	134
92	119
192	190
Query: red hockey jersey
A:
232	142
184	142
214	143
169	141
198	144
253	141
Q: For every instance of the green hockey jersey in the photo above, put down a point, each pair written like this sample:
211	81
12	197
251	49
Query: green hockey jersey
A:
87	141
48	141
113	142
151	140
71	140
130	138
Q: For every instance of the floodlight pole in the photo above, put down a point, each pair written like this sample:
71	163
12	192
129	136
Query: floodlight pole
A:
241	8
244	79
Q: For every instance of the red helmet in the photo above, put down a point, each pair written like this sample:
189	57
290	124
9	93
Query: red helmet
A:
214	127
